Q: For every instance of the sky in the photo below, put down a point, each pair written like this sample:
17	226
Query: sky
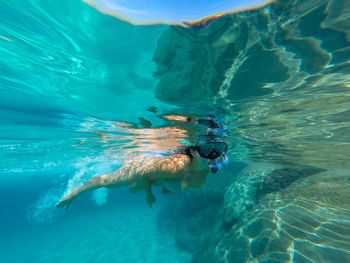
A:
143	12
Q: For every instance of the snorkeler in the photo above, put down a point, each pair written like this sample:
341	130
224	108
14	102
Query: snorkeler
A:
184	169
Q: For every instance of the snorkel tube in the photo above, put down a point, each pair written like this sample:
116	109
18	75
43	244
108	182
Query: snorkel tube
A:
220	128
215	126
216	166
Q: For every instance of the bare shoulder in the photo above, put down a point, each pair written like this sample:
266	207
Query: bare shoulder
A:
177	160
175	163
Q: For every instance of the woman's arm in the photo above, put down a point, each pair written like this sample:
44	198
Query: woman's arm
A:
94	183
211	121
155	169
150	199
122	177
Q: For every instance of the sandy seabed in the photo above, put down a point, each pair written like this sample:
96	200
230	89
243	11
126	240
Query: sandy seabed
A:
121	234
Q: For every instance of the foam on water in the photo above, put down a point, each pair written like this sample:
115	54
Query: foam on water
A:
44	209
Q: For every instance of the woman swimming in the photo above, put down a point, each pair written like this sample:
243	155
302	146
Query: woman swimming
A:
188	167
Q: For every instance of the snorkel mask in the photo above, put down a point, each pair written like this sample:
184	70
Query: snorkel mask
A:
215	152
213	148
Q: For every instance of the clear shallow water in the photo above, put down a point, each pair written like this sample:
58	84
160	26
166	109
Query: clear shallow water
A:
114	233
77	89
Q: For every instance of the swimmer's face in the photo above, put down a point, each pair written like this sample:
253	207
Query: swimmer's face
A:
203	162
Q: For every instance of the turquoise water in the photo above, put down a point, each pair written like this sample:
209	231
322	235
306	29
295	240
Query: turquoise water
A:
81	92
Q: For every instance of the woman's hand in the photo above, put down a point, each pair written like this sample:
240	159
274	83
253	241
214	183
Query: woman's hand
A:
150	199
166	191
65	202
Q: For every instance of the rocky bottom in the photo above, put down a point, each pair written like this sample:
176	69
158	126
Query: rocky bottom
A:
266	214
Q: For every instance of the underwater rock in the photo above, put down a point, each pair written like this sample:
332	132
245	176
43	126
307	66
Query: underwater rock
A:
305	222
201	59
220	58
186	217
189	215
265	211
240	196
254	183
281	76
282	178
271	71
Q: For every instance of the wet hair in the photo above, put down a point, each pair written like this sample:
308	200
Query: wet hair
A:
188	151
185	150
